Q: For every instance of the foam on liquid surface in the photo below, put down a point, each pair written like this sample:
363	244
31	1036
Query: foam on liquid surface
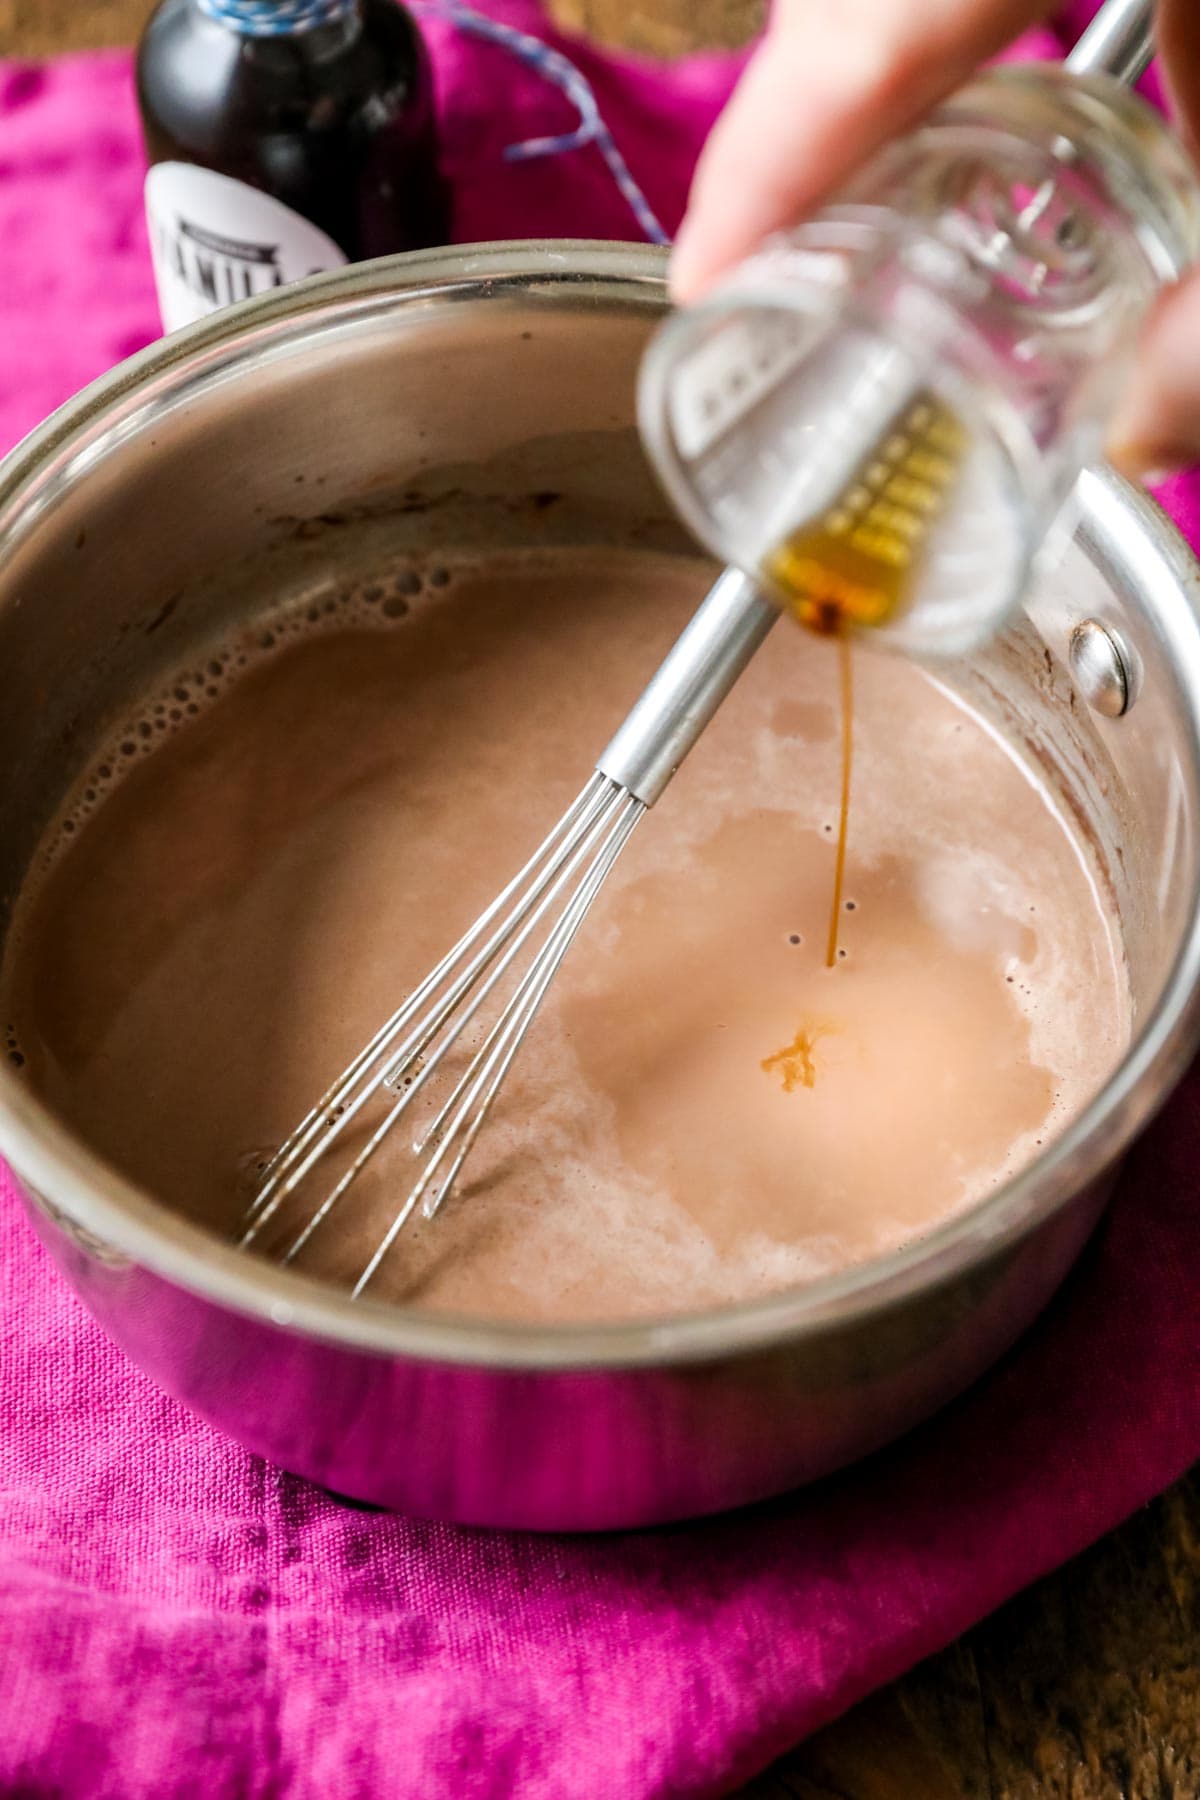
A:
263	861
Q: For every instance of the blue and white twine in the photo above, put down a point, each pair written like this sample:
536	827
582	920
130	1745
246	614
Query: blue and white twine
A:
276	18
557	69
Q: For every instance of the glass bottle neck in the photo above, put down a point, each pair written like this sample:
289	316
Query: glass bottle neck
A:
277	18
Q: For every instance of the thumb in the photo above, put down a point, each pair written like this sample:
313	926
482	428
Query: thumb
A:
1157	426
826	87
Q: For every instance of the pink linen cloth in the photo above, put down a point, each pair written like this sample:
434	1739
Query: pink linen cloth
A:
177	1618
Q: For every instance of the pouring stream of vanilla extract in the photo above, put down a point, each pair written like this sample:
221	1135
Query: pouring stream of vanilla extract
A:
846	672
854	567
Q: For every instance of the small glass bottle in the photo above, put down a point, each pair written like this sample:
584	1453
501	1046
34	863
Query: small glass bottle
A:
284	137
880	414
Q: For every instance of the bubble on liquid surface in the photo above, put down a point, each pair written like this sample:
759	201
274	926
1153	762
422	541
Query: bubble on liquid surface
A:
382	602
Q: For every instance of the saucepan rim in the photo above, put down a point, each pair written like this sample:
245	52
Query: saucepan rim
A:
1122	530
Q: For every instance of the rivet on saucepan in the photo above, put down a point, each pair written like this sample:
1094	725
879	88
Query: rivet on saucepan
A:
1102	667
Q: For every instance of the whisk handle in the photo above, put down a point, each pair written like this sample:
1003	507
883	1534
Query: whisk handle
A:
1117	42
689	685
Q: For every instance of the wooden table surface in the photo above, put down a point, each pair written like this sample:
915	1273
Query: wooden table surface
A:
1087	1687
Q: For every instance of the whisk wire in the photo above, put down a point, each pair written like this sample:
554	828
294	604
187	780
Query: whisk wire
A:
509	1031
575	857
478	1086
591	826
336	1110
555	945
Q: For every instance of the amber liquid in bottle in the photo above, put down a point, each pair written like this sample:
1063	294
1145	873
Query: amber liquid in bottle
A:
334	122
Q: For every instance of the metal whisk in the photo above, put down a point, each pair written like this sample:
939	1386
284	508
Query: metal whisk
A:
529	927
539	913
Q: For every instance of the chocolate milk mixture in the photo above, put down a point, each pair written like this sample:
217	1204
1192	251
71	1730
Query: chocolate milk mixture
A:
704	1111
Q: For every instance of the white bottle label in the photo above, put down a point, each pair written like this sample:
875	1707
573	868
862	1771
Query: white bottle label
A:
215	241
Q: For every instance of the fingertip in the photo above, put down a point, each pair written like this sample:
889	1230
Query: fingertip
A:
1145	465
717	232
697	263
735	199
686	269
1156	429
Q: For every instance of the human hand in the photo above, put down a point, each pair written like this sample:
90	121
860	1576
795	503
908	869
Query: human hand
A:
831	83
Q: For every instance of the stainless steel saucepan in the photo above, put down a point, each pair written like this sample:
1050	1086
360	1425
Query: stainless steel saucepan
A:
303	435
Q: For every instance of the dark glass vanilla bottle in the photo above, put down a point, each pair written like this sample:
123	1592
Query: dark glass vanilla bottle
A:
284	137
